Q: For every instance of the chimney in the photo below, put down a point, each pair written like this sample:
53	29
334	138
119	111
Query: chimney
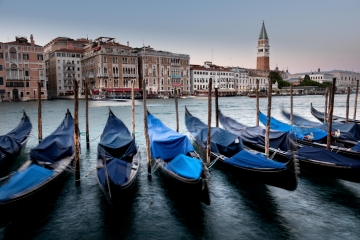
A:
32	40
318	69
127	43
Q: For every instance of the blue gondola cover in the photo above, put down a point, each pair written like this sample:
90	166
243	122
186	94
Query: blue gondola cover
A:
185	166
254	160
11	142
24	180
118	171
57	145
165	142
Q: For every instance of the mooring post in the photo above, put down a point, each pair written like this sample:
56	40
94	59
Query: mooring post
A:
146	132
208	145
291	104
331	106
217	106
267	142
133	107
326	104
87	115
176	110
347	104
257	102
76	131
39	113
356	97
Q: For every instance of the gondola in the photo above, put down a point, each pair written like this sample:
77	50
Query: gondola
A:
309	136
346	135
13	143
254	138
177	160
47	162
118	161
320	116
316	160
227	148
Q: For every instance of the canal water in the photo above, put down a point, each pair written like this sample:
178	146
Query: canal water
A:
320	208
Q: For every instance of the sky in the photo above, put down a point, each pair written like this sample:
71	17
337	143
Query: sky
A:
303	35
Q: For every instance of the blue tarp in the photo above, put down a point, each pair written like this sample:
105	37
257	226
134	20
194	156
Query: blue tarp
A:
299	132
185	166
222	141
320	116
11	142
320	154
348	131
23	181
166	143
118	172
251	160
356	147
255	135
57	145
116	140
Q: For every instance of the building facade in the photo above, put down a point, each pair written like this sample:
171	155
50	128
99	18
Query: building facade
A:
21	69
164	72
263	50
63	65
110	67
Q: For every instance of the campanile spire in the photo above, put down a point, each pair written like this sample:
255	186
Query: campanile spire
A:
263	50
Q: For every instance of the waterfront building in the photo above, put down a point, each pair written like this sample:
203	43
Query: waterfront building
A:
63	65
241	80
222	78
110	67
21	68
263	83
164	72
344	79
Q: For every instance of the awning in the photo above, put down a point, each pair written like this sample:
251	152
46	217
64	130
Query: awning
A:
121	89
95	91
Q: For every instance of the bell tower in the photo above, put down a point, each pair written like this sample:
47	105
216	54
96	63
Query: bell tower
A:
263	50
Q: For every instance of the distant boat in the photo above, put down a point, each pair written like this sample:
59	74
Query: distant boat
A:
253	95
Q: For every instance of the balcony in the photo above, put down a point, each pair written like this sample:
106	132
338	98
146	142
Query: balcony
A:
176	64
116	75
102	75
175	76
69	65
68	84
129	75
13	60
69	71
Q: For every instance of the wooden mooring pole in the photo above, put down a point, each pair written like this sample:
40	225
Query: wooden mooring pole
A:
331	108
76	131
267	142
257	102
326	104
133	107
217	106
291	104
39	113
347	104
146	132
176	110
356	98
208	145
87	115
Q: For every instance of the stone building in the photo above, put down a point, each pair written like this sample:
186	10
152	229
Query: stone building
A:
164	72
21	69
63	65
110	67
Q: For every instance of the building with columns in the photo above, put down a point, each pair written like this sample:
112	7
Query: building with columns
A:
21	69
63	65
164	72
263	51
110	67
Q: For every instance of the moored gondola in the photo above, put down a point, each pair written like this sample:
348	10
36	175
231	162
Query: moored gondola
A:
320	116
227	148
176	159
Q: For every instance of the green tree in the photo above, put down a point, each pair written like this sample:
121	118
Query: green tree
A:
275	77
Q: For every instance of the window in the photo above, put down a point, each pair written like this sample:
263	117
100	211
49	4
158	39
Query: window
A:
1	68
1	55
26	56
58	54
1	81
40	57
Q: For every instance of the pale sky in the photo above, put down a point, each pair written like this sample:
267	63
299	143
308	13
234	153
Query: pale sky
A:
303	35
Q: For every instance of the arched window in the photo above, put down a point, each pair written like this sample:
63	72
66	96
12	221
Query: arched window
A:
105	83
12	53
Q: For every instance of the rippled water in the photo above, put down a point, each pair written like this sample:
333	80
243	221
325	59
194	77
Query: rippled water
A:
320	208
